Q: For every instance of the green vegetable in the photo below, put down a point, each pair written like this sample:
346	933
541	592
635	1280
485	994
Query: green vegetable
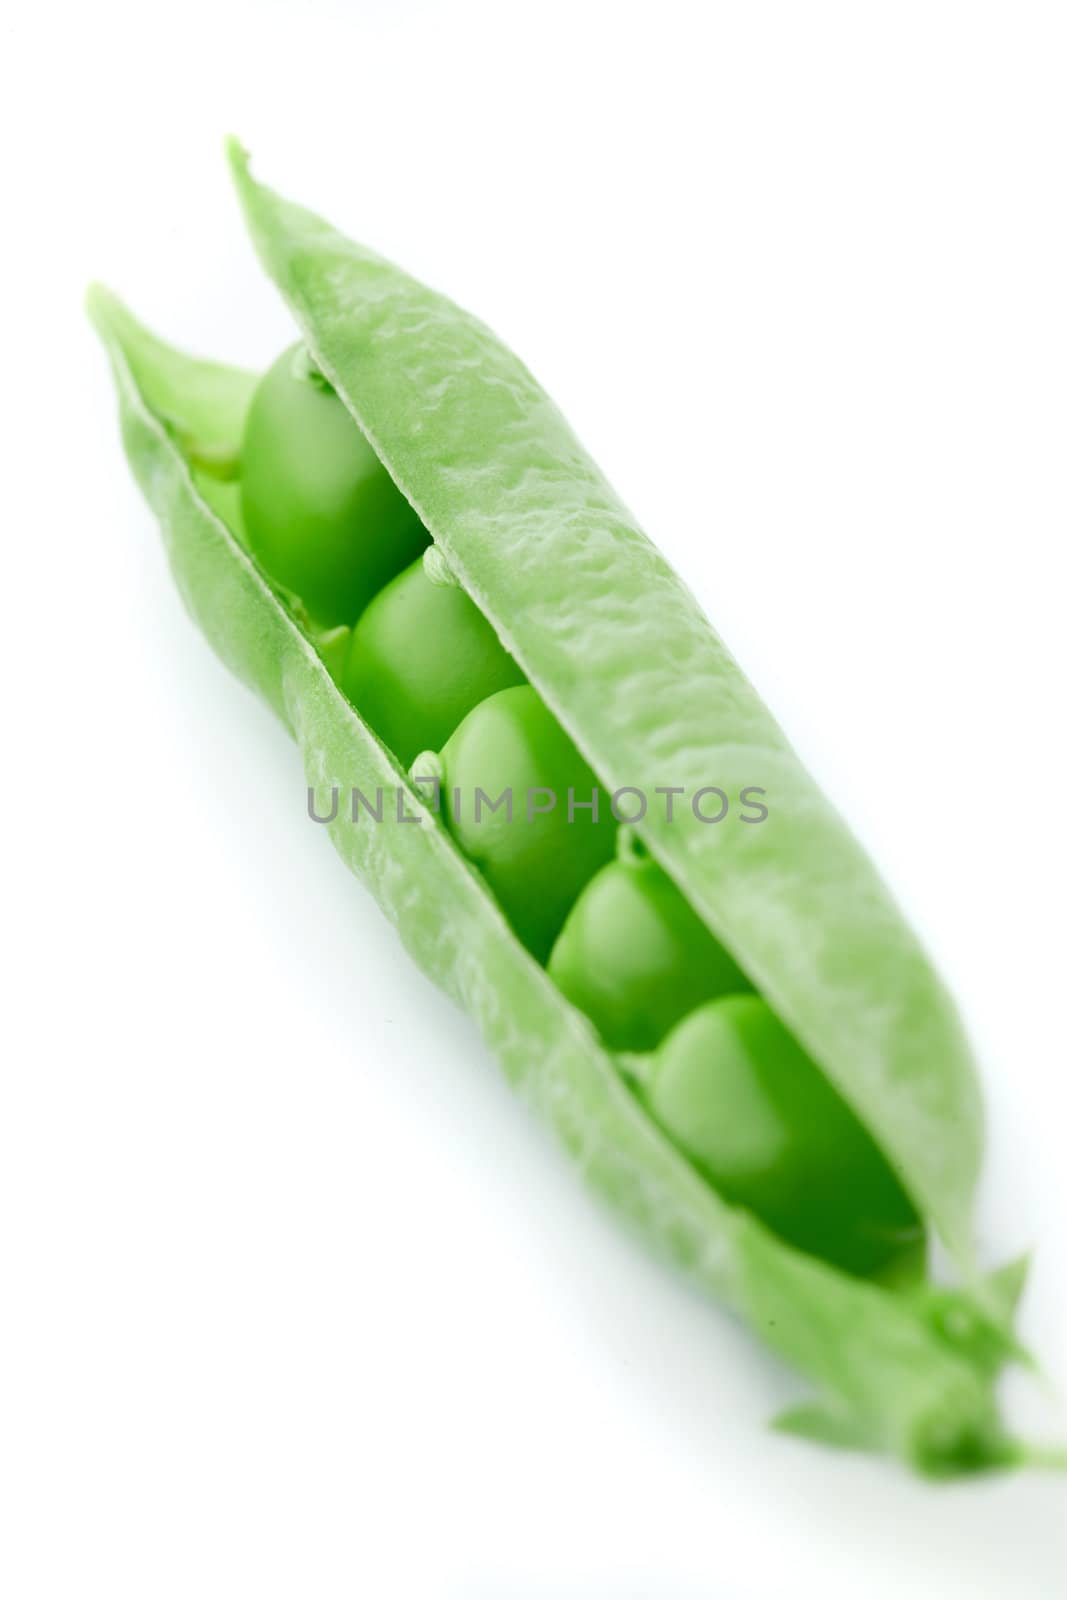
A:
618	652
516	795
760	1120
422	656
633	955
322	515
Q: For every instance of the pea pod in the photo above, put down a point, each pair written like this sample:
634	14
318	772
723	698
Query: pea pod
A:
618	650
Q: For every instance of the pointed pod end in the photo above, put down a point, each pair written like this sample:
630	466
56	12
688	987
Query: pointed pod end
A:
113	320
1008	1284
249	189
822	1424
237	155
101	306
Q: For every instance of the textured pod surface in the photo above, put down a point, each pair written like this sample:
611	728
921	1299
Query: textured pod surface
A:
888	1375
622	653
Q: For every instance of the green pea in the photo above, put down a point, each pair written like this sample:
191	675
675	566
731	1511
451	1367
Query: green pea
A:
422	656
323	516
541	844
635	957
737	1093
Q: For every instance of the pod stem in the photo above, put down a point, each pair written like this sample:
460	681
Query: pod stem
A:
635	1066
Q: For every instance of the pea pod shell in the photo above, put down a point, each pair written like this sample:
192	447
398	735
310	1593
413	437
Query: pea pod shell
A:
888	1374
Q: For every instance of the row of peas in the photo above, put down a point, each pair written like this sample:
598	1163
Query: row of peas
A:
711	1061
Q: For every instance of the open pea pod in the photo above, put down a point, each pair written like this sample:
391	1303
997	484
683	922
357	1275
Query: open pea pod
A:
620	651
548	553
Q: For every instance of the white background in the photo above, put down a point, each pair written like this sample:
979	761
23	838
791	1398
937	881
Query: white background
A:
297	1300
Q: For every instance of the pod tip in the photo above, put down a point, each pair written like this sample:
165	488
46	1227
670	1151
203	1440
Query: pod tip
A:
237	155
100	305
